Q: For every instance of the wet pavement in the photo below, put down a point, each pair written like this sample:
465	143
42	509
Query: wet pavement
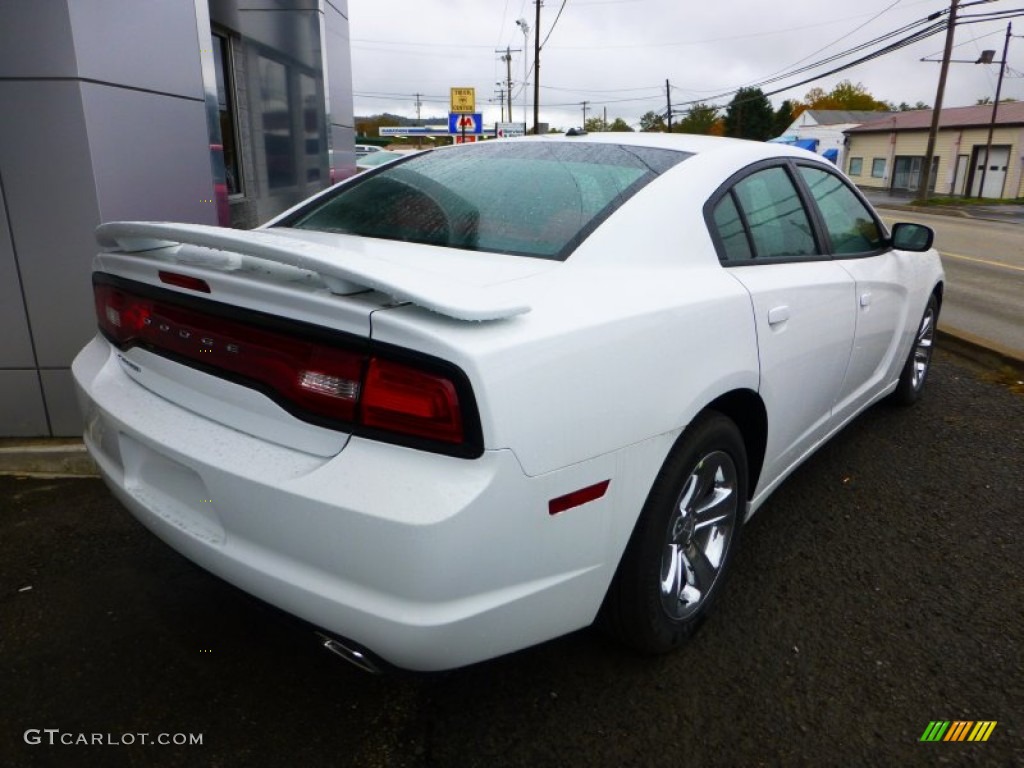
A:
878	590
1011	213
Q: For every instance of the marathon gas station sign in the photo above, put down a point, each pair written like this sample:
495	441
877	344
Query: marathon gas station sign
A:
464	122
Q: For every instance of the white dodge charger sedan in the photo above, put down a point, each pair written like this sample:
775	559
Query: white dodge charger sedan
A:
486	395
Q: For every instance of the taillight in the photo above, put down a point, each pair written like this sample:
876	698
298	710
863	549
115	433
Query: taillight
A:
321	376
401	398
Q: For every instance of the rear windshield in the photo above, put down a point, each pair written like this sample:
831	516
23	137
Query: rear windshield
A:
526	198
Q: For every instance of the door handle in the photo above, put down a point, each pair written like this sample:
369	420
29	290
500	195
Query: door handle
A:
865	299
778	315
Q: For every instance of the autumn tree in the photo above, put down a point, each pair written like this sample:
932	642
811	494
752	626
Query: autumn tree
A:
844	95
596	124
370	126
750	115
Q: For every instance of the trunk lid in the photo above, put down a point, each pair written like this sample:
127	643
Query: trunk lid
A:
291	285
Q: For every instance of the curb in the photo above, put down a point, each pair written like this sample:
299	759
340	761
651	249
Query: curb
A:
939	210
46	457
67	458
978	350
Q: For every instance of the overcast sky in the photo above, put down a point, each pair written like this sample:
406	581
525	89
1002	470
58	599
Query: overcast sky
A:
617	54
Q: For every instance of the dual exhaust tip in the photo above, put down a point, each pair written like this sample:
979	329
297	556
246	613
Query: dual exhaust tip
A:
351	653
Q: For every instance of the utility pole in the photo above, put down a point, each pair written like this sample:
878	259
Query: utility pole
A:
419	139
507	58
584	126
668	100
995	109
536	70
933	132
500	93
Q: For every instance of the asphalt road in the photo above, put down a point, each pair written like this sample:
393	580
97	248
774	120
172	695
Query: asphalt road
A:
878	590
984	263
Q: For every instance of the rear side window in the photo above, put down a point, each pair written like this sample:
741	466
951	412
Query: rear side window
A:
731	231
778	223
850	225
527	198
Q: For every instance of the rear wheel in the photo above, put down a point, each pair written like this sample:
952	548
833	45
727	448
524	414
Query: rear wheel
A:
919	361
677	557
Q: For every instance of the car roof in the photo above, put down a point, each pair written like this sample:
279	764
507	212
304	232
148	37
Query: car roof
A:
696	144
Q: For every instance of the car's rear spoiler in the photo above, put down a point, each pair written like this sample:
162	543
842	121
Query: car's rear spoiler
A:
339	268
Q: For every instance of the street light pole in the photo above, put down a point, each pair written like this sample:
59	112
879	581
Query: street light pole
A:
926	172
523	25
536	71
995	110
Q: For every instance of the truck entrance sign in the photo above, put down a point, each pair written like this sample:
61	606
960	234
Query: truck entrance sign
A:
463	100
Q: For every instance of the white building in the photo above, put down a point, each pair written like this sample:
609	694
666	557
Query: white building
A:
822	130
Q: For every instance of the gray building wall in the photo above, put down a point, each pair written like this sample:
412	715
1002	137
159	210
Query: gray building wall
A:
105	114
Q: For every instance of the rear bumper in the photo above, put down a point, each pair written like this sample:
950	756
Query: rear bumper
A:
430	562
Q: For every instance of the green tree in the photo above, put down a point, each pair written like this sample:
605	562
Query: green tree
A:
750	115
618	124
652	121
596	124
700	118
784	117
904	107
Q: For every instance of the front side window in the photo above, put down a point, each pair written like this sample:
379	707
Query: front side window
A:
850	225
779	226
536	199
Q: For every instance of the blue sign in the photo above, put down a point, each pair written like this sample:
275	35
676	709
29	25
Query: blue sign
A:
472	123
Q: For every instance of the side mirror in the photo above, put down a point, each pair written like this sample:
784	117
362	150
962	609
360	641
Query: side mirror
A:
912	237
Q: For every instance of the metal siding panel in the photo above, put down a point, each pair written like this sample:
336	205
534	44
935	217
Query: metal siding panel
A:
15	341
21	405
151	156
61	402
339	70
345	157
150	45
51	201
36	40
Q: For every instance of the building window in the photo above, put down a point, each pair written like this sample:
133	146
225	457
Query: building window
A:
878	168
278	133
856	165
226	109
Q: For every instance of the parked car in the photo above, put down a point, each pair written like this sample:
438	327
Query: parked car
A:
366	149
486	395
374	159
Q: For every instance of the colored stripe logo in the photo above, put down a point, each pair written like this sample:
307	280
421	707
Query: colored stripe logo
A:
958	730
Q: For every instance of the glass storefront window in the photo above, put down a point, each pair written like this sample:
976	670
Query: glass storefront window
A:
278	137
225	107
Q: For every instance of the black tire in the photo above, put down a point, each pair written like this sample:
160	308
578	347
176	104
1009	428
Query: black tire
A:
919	361
674	565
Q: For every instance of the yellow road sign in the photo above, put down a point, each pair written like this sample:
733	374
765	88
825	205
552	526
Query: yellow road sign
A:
463	100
